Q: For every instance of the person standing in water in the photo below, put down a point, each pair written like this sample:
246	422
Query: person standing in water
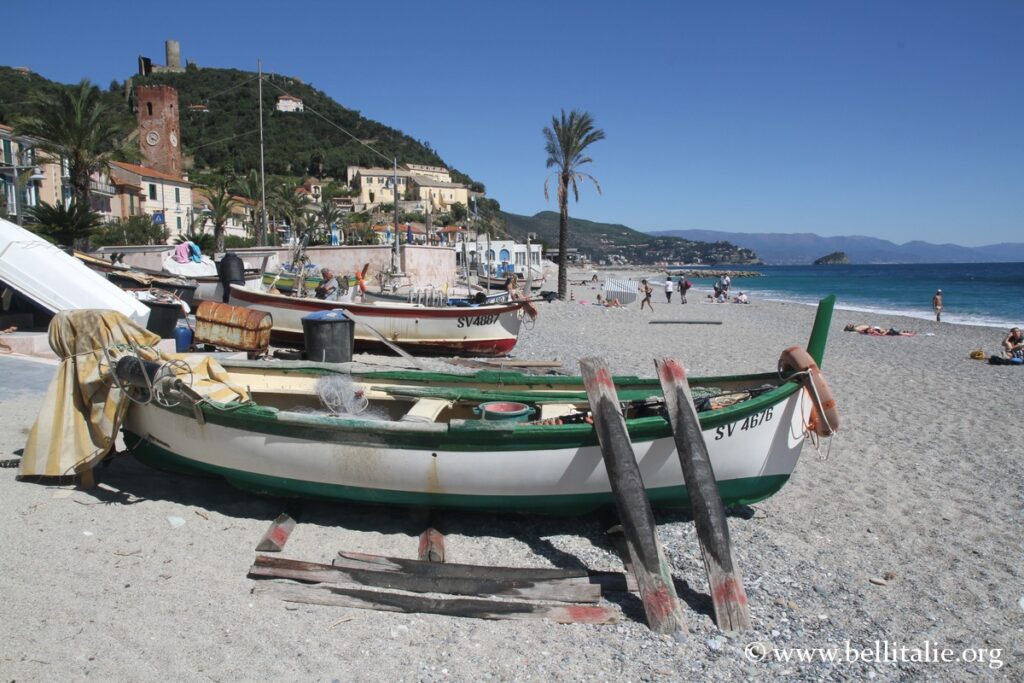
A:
937	305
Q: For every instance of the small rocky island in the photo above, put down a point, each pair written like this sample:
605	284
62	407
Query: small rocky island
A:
835	258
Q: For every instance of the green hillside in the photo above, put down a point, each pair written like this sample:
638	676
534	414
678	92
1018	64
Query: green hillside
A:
17	88
226	137
610	241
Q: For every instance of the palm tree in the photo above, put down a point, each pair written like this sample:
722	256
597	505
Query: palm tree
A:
250	187
291	205
565	142
74	124
328	216
70	225
222	206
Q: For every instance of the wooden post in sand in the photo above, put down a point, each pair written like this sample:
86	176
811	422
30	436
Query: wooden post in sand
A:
727	594
653	577
431	545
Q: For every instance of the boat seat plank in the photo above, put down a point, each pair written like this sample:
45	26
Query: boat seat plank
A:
426	410
553	410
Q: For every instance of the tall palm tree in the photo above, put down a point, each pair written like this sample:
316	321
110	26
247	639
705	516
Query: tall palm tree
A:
222	206
74	124
565	142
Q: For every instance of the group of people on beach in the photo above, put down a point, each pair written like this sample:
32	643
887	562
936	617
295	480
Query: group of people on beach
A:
646	290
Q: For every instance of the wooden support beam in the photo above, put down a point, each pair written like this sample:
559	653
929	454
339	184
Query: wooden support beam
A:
653	576
454	607
730	599
559	589
277	535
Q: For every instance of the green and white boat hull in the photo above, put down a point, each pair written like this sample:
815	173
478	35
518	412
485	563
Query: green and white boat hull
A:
467	464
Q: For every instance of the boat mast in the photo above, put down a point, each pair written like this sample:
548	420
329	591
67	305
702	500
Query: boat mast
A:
261	238
396	257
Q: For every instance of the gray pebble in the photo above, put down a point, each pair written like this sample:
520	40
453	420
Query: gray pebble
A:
715	644
820	590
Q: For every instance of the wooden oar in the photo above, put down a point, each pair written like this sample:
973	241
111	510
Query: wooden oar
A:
653	576
727	594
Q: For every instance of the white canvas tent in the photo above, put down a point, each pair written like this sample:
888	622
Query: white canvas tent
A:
56	281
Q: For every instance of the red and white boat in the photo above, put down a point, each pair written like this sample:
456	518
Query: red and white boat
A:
488	330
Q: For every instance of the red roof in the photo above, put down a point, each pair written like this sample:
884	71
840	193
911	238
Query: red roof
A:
148	172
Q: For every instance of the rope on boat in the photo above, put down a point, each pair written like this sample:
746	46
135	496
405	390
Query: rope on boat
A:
805	420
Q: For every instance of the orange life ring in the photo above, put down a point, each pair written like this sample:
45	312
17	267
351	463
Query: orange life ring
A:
824	413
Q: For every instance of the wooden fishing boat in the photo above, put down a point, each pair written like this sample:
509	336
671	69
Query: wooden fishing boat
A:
477	330
419	441
285	281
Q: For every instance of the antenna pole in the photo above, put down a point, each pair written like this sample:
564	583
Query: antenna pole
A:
261	237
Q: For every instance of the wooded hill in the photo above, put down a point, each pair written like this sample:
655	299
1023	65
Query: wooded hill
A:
608	241
225	137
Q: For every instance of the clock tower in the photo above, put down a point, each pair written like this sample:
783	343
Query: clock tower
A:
156	107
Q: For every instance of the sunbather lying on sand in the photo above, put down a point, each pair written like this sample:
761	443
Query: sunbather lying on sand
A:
873	331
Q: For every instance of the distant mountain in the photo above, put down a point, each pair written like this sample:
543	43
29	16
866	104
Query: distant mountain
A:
615	242
804	248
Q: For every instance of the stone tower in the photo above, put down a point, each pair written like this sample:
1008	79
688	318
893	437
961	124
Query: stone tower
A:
157	112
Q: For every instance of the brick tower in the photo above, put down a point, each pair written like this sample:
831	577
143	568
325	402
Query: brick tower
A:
157	112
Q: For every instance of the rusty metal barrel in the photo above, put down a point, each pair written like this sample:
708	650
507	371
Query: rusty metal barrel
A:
233	327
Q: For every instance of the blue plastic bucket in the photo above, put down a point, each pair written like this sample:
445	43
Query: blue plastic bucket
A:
504	410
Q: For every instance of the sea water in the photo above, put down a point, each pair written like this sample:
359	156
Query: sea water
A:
990	294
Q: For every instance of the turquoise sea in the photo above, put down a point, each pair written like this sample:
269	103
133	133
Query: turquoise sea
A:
990	294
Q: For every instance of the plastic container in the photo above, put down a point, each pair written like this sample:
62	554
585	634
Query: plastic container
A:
231	270
329	336
504	410
182	339
162	318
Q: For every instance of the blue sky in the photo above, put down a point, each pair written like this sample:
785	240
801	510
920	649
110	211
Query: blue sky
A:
901	120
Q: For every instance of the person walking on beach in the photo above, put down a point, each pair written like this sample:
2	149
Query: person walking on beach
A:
646	290
937	305
668	289
684	287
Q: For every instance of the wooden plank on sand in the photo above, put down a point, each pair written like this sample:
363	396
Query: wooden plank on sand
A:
562	590
277	535
608	581
653	576
455	607
727	594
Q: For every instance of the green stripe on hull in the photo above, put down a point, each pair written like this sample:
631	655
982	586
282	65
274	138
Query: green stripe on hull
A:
734	491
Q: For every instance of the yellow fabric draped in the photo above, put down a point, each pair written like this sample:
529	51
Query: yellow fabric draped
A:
84	407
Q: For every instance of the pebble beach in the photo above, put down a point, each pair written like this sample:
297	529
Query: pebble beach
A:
904	530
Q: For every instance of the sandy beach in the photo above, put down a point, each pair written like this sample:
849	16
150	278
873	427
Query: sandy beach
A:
144	577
